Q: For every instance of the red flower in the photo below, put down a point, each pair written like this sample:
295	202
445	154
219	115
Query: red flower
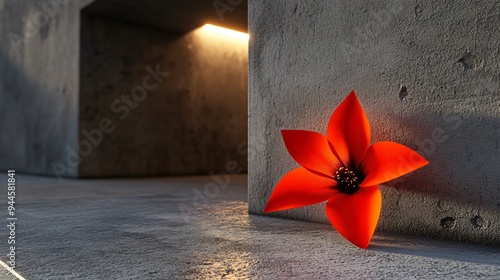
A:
344	169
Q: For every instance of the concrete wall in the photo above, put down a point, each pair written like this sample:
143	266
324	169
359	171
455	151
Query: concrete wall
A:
38	84
427	74
188	119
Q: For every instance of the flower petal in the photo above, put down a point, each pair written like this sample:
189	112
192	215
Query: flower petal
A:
311	150
300	187
349	131
386	160
355	216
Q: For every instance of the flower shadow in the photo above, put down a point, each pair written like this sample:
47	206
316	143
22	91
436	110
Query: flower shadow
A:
435	249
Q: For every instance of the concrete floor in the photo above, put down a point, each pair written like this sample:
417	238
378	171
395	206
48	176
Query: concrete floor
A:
150	228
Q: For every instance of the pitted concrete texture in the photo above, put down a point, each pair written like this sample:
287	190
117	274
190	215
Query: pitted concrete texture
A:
427	75
188	228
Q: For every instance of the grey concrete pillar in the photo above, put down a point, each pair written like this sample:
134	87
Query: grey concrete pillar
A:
39	85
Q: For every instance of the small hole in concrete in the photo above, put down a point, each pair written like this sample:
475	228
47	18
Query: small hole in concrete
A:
403	93
478	222
468	60
448	222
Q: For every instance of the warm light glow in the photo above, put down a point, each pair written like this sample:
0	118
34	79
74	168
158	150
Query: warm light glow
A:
225	32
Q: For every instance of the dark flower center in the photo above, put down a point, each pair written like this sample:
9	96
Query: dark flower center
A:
348	181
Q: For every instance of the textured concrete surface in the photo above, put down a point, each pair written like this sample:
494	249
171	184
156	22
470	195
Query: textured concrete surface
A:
6	275
176	16
186	228
38	81
189	119
427	74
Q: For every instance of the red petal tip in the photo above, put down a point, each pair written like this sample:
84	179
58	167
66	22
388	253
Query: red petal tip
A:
349	131
387	160
311	150
298	188
355	216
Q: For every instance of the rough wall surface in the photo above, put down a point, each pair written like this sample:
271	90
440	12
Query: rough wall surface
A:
174	104
427	74
38	84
